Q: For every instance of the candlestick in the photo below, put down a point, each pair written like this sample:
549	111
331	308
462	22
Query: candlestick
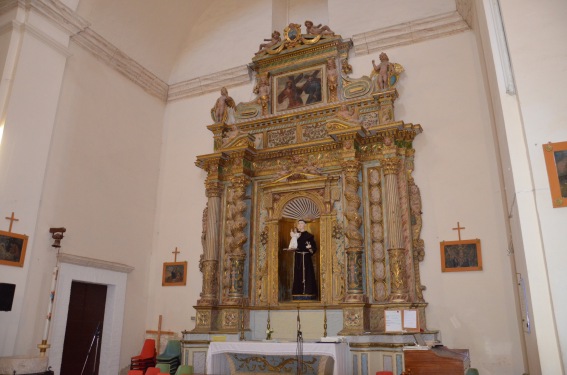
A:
44	345
325	321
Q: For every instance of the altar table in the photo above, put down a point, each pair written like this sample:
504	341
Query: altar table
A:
217	363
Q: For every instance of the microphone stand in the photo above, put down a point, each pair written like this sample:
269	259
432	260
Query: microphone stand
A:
96	339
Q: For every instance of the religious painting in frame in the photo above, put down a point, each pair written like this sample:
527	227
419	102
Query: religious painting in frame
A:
299	89
463	255
174	273
13	249
556	163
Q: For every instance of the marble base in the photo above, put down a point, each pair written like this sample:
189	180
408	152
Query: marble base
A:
23	365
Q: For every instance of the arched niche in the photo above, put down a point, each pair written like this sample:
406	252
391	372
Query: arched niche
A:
284	202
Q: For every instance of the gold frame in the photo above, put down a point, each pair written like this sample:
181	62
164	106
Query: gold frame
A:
448	245
168	282
9	236
550	152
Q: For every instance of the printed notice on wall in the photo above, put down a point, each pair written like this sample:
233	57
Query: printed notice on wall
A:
409	320
393	320
401	321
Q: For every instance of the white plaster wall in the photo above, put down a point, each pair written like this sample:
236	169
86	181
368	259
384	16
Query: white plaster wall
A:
101	185
4	44
30	114
347	18
235	26
535	38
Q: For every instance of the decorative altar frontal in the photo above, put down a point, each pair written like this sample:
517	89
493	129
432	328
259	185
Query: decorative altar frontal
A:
275	357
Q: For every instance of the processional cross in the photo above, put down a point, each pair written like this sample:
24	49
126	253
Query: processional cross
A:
159	332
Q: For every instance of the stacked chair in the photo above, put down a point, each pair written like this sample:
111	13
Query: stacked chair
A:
146	358
171	356
184	370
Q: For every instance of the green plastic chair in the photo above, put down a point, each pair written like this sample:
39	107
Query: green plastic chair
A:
472	371
163	368
172	351
184	370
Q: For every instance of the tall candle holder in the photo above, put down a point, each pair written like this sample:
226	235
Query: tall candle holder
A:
325	320
269	329
242	338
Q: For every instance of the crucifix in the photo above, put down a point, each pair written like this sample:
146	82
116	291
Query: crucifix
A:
12	219
458	228
175	254
159	332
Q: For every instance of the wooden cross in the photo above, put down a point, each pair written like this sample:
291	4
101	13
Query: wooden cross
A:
175	253
458	228
12	219
159	332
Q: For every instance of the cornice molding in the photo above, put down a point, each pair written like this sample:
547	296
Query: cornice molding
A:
60	14
209	83
409	33
124	64
94	263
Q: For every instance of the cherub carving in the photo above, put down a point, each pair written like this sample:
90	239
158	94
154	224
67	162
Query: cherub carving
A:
276	38
318	30
350	115
332	78
219	112
262	89
383	70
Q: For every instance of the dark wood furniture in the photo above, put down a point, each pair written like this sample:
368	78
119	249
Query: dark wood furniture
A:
436	361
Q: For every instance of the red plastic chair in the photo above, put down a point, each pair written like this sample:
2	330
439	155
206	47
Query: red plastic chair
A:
146	358
384	373
135	372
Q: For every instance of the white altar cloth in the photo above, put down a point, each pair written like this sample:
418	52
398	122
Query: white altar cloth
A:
217	363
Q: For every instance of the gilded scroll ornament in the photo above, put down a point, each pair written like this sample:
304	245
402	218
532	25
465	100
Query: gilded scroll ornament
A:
398	276
332	79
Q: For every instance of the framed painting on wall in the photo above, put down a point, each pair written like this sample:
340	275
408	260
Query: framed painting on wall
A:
464	255
174	273
13	248
556	163
299	89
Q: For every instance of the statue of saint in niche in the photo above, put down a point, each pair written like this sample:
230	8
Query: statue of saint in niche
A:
303	280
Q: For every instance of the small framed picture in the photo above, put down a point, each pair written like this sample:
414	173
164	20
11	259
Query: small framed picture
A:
462	255
174	273
13	248
556	163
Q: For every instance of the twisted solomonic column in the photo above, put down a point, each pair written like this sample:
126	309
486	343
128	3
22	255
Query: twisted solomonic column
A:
354	248
236	239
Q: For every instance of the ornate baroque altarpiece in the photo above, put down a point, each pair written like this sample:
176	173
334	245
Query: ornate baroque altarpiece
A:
316	144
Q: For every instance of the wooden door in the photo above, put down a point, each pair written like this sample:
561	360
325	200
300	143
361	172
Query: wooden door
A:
82	343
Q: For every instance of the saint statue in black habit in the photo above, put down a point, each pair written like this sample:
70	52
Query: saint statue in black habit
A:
304	281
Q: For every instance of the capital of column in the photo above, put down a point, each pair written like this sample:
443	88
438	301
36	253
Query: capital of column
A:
351	167
239	182
213	189
391	165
